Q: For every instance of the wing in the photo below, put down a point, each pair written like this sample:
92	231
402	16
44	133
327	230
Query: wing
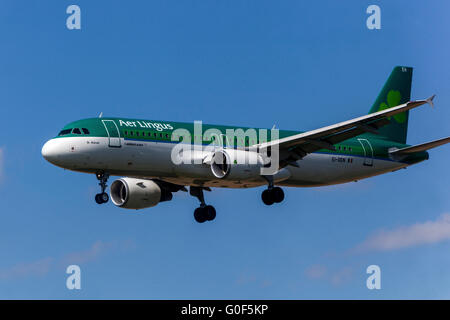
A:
295	147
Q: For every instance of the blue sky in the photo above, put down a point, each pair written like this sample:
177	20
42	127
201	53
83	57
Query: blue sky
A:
299	65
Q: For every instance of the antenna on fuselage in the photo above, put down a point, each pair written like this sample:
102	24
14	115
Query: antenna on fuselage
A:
100	115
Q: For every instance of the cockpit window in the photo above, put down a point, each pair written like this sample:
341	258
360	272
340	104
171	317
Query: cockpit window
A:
65	132
85	131
76	131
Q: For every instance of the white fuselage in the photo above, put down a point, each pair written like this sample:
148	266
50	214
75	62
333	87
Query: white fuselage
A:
148	159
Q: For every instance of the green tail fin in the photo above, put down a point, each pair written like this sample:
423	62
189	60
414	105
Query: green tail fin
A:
396	91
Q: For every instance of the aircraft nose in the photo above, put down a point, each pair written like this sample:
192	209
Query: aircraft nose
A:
50	151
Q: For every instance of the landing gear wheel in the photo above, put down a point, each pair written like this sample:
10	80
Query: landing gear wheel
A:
199	215
210	213
204	212
98	198
267	197
277	194
273	195
101	198
104	196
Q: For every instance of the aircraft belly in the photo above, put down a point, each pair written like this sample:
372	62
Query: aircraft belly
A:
324	169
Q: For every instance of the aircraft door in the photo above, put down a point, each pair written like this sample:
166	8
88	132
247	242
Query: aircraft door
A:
113	133
368	152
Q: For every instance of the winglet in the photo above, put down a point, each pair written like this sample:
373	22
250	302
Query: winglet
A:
430	100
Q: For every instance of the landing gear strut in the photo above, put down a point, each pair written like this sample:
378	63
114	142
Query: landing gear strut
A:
103	196
272	194
204	212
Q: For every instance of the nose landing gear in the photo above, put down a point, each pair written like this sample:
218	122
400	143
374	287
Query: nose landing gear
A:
272	194
103	196
204	212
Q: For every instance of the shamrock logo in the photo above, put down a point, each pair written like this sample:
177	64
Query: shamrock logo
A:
393	99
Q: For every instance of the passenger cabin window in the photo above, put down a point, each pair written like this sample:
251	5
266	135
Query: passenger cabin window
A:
85	131
76	131
65	132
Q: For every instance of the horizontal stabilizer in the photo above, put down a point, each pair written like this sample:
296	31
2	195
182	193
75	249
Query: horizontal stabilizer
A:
420	147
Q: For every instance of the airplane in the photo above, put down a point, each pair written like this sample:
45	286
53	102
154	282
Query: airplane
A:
141	152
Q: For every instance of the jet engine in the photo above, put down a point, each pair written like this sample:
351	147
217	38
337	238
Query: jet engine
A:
235	164
131	193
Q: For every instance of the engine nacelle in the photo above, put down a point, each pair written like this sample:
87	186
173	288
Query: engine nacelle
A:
235	164
131	193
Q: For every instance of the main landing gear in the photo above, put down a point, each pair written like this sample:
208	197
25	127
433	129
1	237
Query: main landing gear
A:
103	196
204	212
272	194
